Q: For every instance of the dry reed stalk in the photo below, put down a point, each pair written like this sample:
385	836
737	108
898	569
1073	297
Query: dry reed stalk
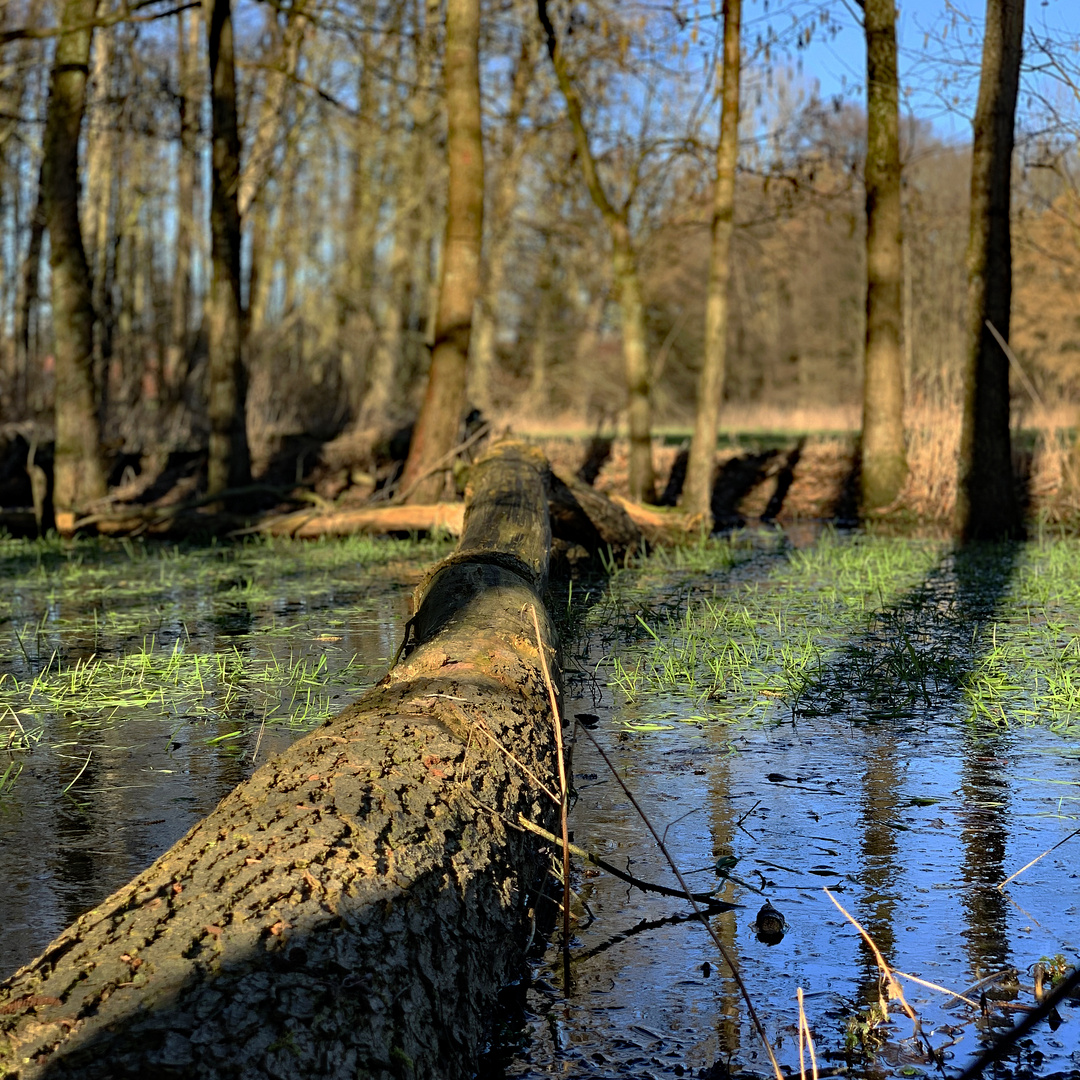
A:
933	451
934	986
895	990
1012	877
563	786
807	1038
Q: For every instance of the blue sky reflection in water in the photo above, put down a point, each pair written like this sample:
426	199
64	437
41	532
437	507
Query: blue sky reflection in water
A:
911	820
140	682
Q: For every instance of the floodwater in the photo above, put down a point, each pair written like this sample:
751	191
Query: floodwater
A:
910	816
115	759
910	821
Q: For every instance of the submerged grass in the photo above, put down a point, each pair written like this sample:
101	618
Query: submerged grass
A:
738	651
269	631
867	627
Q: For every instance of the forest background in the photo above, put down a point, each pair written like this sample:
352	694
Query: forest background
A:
339	177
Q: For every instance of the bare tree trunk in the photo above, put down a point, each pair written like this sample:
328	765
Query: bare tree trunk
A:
440	416
98	206
697	493
500	228
79	476
627	281
176	354
27	299
986	505
229	463
884	461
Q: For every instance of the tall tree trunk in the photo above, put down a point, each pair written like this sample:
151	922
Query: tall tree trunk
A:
482	360
440	415
627	280
697	494
26	301
79	476
884	461
176	354
98	206
986	505
229	463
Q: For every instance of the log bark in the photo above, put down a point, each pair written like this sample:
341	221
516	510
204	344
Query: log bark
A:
352	909
582	515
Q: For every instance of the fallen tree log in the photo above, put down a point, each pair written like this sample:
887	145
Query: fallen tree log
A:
310	524
353	908
580	514
660	524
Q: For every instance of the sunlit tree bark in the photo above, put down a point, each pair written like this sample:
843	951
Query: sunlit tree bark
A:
884	463
229	463
440	415
986	505
79	476
697	493
627	279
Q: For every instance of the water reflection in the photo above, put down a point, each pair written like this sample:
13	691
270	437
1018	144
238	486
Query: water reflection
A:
886	792
106	788
880	874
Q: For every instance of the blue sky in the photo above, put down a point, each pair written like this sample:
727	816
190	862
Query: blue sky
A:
939	41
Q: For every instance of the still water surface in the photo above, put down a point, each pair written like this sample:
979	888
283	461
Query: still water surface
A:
910	820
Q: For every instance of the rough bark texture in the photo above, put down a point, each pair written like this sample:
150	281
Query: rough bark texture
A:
444	401
884	461
229	463
352	909
697	494
79	476
986	505
626	276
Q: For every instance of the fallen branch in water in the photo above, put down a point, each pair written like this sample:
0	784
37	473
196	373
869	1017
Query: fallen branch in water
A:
622	875
758	1026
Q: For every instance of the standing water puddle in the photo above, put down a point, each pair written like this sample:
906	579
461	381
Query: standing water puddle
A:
871	716
142	683
852	749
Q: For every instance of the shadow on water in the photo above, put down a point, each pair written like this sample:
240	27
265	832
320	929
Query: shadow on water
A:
908	667
873	779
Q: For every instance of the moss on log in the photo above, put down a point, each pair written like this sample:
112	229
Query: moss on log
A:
354	907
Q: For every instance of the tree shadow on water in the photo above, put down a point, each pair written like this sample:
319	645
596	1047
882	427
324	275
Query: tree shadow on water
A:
904	682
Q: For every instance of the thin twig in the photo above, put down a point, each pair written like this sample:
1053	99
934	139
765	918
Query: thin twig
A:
1013	1035
556	719
1028	384
445	460
934	986
483	728
701	914
1011	877
622	875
